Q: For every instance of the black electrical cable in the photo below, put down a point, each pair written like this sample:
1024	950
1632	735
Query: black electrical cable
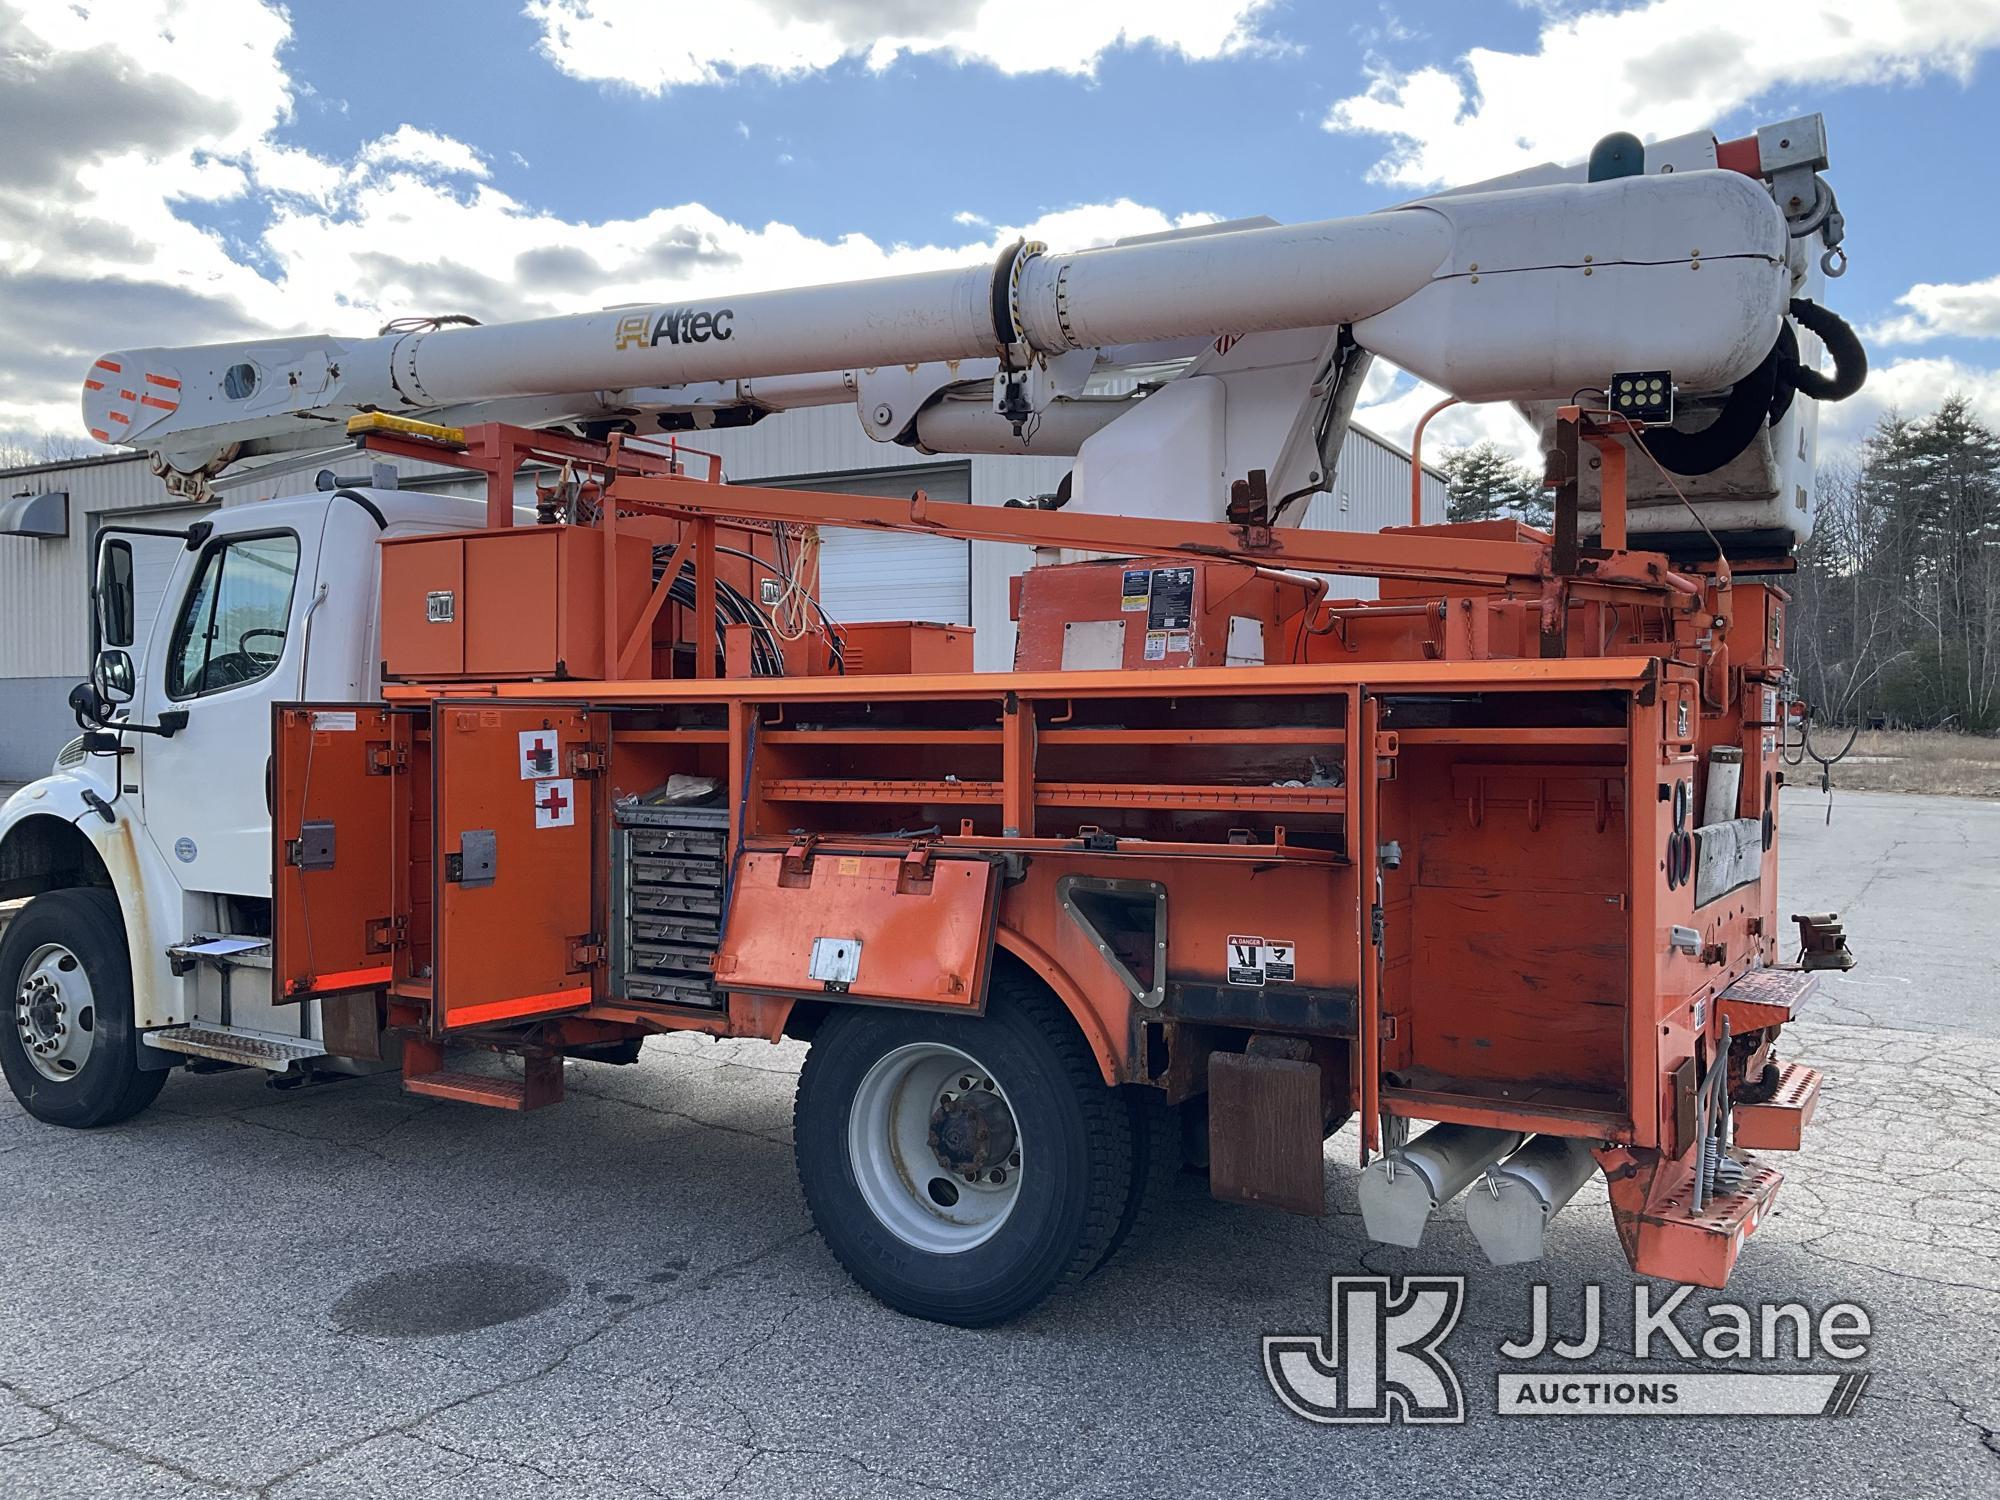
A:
836	653
731	608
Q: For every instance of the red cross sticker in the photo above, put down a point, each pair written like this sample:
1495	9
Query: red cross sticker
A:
555	804
538	754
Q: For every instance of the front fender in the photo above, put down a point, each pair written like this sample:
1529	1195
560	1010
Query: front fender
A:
148	896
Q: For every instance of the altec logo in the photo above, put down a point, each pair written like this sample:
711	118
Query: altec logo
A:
1381	1362
674	325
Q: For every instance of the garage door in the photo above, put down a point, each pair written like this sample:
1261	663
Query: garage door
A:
893	575
153	561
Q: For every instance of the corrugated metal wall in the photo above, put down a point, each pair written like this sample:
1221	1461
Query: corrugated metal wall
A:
44	584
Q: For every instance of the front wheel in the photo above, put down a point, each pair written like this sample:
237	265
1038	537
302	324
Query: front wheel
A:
962	1167
67	1045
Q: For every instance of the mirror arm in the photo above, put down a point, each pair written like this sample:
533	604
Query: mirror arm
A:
171	723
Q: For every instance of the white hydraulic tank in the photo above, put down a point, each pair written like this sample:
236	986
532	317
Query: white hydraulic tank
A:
1400	1190
1509	1211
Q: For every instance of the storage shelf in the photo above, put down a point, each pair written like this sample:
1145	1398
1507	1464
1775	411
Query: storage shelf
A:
828	789
1330	738
1282	799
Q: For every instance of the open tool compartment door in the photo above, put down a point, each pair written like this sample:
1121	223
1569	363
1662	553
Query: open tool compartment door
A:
883	926
518	827
334	769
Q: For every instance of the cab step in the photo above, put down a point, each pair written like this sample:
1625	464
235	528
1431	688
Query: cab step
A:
235	1044
540	1085
1779	1124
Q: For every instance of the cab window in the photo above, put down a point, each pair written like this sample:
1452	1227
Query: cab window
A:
232	624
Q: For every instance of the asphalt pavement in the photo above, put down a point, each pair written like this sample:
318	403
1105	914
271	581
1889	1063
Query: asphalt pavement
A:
244	1292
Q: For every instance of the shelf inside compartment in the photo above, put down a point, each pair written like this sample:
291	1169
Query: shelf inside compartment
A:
1276	799
1426	1094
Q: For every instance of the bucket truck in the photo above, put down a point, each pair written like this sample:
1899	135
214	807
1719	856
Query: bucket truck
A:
1486	863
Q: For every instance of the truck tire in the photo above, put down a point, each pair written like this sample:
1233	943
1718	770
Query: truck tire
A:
962	1167
1156	1168
67	1044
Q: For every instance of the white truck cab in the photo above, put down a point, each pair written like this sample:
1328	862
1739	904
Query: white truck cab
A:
148	849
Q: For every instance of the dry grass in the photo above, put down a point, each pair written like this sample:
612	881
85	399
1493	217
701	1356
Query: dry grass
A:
1918	760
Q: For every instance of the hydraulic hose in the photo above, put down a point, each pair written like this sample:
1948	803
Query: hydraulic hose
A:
1850	360
1742	417
1764	395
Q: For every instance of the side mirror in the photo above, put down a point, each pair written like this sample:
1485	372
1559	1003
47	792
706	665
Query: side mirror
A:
113	676
115	599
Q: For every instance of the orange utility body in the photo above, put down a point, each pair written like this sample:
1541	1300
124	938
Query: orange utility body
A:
1440	844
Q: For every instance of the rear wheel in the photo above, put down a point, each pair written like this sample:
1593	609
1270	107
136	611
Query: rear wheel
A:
1156	1168
68	1047
961	1167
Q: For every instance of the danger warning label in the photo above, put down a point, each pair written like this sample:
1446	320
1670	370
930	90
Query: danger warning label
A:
1254	962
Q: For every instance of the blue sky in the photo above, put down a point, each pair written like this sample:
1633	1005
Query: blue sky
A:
335	164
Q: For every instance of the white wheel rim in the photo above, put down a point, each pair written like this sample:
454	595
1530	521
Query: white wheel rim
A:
55	1013
925	1139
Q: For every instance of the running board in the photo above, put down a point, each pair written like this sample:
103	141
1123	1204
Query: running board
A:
540	1085
247	1049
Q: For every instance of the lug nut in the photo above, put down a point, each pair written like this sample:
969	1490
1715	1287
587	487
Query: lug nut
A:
999	1176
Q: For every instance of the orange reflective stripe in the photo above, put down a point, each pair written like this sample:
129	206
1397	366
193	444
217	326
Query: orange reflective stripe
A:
113	366
500	1010
350	979
156	401
93	385
172	385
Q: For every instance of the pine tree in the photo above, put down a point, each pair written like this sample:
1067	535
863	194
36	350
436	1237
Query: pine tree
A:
1487	483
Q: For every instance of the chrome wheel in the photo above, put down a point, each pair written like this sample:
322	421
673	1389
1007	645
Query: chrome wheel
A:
55	1012
935	1148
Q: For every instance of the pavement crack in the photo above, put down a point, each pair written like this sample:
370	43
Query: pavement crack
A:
675	1114
64	1423
410	1426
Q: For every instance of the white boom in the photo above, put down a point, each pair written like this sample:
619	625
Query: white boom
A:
1522	293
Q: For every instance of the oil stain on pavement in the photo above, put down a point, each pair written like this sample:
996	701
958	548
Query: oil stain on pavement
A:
454	1296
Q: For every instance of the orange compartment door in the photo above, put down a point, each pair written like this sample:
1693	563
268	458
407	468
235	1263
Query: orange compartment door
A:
333	871
516	824
868	927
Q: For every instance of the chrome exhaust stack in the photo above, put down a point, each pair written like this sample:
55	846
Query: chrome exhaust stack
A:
1400	1190
1509	1212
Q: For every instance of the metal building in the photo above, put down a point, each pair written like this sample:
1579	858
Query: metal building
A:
50	513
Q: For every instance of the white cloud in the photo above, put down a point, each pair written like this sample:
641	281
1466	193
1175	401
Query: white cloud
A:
1943	309
1913	387
1658	69
92	253
651	46
423	148
1391	402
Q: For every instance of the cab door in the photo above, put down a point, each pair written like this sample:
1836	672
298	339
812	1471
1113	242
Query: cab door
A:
235	643
335	924
517	876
